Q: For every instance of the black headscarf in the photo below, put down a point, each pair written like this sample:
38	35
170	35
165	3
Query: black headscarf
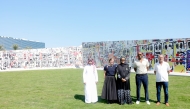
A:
122	64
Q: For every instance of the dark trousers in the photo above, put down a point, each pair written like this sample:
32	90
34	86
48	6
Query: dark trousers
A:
142	78
165	87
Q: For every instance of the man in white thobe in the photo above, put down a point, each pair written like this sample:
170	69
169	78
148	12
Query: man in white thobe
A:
90	79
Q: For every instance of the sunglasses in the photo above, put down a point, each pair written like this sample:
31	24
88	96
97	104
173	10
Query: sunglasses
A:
139	54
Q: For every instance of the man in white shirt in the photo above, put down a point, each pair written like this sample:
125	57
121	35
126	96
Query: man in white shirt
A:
141	67
161	70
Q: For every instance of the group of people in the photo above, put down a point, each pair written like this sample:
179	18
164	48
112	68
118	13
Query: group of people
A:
116	86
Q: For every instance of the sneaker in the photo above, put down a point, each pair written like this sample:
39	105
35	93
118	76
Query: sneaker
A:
137	102
147	102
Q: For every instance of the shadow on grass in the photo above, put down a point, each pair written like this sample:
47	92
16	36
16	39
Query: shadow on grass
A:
100	100
79	97
82	98
142	99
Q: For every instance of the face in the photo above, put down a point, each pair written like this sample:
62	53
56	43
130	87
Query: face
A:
161	58
111	62
123	60
140	55
90	62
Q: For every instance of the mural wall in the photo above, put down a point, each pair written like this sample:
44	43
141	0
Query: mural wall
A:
176	52
40	58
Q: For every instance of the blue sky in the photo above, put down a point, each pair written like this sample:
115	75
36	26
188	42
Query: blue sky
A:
61	23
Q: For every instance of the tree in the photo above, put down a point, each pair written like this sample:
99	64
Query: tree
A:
15	47
1	48
28	48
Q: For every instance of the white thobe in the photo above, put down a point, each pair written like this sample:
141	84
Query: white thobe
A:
90	77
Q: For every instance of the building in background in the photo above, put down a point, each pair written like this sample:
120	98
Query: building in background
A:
8	42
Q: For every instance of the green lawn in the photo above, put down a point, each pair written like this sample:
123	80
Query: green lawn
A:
63	89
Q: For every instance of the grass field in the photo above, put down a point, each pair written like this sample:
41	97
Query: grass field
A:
63	89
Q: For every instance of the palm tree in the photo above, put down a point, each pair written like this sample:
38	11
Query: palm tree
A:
15	47
1	48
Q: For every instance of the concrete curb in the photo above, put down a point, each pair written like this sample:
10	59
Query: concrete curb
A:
73	67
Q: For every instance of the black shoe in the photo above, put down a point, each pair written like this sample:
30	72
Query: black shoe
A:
121	103
111	101
108	102
130	103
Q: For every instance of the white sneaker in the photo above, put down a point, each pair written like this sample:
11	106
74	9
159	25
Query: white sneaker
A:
147	102
137	102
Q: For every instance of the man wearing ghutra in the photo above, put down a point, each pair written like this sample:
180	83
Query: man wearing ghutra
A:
90	79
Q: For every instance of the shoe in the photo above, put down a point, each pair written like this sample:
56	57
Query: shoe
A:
147	102
121	103
167	104
158	103
108	102
130	103
137	102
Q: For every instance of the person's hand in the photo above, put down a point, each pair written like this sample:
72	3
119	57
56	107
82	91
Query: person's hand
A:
123	80
84	83
96	82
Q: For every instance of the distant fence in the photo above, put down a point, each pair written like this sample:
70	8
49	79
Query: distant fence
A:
41	58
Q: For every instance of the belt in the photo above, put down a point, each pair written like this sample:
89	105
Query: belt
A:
141	74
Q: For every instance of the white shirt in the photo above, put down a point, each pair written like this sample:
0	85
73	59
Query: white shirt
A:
141	66
162	71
